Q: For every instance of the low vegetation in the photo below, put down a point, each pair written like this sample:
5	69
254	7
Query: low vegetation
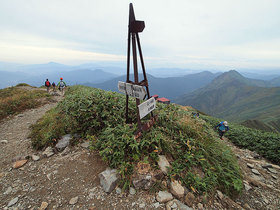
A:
14	100
264	143
199	160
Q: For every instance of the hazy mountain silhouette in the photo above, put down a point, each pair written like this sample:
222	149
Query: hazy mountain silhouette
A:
236	98
170	87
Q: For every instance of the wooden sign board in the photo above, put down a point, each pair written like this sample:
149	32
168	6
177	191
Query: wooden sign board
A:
131	90
146	107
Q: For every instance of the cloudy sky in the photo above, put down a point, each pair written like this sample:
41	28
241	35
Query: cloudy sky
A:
198	34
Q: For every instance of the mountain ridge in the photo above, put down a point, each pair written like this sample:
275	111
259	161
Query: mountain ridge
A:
234	97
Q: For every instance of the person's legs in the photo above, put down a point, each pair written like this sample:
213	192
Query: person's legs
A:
221	133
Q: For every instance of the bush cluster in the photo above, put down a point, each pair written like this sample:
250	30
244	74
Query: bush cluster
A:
264	143
198	158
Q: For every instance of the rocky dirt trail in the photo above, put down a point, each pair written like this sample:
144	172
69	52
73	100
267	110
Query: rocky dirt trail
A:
66	180
261	180
69	179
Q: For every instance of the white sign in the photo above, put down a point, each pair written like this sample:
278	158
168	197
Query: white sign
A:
146	107
129	89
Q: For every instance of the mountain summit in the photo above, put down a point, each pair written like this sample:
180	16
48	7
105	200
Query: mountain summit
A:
234	97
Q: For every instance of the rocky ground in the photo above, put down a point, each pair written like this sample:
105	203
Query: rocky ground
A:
69	179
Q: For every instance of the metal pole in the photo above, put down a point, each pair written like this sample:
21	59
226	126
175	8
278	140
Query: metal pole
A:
143	67
127	73
136	76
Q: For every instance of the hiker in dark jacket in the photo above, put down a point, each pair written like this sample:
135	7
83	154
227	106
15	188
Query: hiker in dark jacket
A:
222	127
47	84
53	86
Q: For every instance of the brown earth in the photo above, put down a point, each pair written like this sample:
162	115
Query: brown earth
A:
74	174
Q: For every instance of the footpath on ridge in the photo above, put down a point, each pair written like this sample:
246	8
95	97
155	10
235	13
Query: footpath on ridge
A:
69	180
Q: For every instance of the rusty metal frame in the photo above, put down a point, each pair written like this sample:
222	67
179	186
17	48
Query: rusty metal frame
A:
135	27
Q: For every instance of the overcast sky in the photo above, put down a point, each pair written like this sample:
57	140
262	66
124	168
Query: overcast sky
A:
198	34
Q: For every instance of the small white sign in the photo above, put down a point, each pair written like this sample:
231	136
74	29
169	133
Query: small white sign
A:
146	107
131	90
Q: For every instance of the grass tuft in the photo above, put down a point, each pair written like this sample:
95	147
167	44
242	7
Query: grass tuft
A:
14	100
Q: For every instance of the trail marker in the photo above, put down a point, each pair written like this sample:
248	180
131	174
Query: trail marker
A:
131	90
136	89
146	107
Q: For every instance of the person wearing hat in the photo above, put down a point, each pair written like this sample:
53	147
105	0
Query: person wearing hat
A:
223	127
61	85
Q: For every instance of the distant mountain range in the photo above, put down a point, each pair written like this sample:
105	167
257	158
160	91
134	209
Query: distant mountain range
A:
235	98
71	77
170	87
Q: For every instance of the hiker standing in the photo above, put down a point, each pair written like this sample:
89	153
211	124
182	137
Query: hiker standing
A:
53	86
47	84
61	85
223	127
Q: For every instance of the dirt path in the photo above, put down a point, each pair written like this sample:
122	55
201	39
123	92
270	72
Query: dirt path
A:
72	174
261	180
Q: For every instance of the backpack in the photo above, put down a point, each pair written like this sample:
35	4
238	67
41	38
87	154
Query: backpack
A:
61	84
47	83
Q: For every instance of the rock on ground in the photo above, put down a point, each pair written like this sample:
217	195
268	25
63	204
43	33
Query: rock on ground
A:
164	196
177	189
13	202
63	142
109	179
163	164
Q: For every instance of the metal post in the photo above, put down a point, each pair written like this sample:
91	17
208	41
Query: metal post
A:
136	75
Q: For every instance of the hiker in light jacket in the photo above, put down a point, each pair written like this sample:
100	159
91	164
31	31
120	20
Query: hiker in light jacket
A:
223	127
61	85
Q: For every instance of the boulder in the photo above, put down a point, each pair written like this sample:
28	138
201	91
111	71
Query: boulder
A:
142	182
250	165
220	195
109	179
13	202
132	191
272	170
4	141
255	171
164	196
19	163
189	199
177	189
48	152
74	200
181	206
35	157
63	142
85	145
43	206
163	164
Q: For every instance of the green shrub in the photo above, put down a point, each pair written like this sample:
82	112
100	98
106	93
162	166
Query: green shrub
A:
264	143
48	129
198	159
22	84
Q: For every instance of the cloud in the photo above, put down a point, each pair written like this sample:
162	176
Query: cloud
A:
183	33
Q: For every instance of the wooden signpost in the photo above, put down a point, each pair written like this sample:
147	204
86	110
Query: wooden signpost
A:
131	90
137	89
